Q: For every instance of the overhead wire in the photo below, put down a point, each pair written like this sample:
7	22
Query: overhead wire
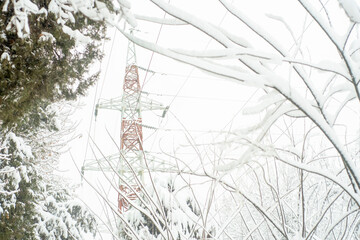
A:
152	54
175	74
186	78
147	70
193	68
107	65
103	83
196	97
95	95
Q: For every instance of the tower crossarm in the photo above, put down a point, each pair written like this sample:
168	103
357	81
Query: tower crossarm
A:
150	104
111	163
106	164
144	103
112	104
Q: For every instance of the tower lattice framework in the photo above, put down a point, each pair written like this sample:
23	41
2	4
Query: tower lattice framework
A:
129	163
131	134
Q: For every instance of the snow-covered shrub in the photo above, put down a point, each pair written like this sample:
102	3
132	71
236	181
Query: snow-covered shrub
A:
175	214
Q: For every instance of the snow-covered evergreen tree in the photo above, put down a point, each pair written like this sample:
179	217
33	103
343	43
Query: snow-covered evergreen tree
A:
47	48
31	206
18	183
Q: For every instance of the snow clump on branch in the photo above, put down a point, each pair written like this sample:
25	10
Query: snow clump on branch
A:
352	9
64	11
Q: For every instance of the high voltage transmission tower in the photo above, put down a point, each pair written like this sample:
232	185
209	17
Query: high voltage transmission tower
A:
129	163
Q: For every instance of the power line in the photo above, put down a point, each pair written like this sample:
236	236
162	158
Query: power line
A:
195	97
175	74
107	65
187	77
152	54
96	90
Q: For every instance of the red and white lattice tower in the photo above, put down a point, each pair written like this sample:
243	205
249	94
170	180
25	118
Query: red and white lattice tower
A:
129	163
131	134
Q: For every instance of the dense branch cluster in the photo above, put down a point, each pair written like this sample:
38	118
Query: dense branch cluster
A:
294	173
